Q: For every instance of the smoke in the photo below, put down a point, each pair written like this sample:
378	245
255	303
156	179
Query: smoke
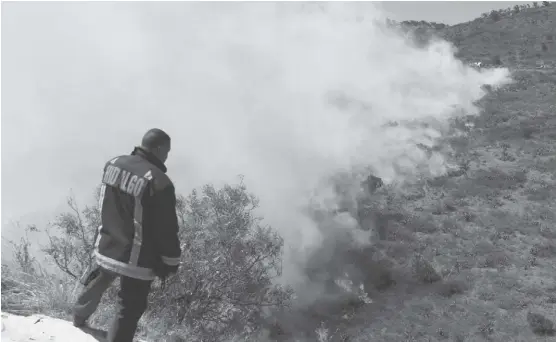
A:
287	94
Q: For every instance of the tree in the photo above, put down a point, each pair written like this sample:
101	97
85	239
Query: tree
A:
495	15
535	4
516	9
496	61
546	3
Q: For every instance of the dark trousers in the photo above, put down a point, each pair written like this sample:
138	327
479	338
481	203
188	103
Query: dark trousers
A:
132	302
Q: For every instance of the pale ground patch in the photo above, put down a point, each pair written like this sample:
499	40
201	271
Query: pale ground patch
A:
41	328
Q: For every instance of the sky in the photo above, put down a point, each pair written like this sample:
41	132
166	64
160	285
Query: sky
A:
242	88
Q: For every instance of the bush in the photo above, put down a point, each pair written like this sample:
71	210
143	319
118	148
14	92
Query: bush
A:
423	271
28	289
496	61
71	246
495	16
22	253
540	325
230	259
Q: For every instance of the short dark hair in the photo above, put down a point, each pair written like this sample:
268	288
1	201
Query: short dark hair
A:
155	138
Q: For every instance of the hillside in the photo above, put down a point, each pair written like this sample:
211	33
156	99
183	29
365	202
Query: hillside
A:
526	37
518	38
468	256
488	231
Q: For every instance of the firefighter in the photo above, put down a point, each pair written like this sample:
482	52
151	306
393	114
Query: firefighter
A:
138	237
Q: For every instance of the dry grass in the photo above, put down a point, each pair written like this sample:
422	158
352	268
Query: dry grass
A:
25	294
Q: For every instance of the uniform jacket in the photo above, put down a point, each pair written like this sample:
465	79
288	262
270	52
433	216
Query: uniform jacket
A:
139	226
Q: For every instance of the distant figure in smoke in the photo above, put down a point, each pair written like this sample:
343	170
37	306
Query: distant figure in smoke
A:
138	236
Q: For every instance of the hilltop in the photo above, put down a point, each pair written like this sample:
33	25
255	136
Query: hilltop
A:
468	256
520	36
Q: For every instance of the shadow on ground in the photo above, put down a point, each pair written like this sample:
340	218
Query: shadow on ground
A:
98	334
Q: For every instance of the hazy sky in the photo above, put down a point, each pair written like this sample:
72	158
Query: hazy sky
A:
242	88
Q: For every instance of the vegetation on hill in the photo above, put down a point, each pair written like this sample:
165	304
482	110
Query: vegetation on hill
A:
523	35
467	256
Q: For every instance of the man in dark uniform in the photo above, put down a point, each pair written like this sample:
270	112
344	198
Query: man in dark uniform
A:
138	236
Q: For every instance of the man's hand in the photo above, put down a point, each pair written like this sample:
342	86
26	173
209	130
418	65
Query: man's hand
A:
163	270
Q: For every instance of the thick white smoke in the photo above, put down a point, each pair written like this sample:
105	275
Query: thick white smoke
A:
286	94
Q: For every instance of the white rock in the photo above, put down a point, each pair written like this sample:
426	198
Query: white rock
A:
39	328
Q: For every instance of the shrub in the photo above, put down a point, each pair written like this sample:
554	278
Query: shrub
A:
495	16
225	281
423	271
22	253
26	293
496	61
452	287
540	325
71	245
